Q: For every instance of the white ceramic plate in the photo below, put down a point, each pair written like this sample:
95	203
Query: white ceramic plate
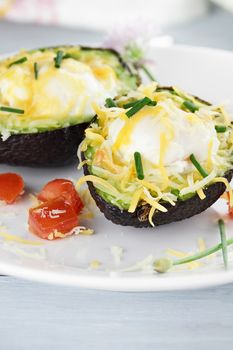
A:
203	72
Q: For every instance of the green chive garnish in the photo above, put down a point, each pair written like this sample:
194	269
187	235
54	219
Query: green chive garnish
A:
139	105
198	166
130	104
133	103
164	264
220	128
67	55
190	106
36	70
11	110
138	165
58	58
175	191
202	254
109	103
21	60
221	226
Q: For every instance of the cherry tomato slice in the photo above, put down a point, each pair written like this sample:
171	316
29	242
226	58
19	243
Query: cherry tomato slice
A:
11	186
61	188
54	215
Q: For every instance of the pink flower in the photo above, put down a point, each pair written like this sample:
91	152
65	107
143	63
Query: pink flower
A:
132	42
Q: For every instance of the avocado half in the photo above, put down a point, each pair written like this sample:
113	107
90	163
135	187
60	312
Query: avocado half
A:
58	147
183	209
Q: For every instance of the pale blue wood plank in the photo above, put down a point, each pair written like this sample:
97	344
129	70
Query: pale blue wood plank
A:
36	316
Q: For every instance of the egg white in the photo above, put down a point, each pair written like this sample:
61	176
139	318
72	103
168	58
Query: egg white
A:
188	137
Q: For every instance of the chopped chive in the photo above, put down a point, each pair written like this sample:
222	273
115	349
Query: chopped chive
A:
67	55
221	226
190	106
130	104
198	166
36	70
133	103
11	110
139	105
109	103
138	165
58	58
152	103
164	264
203	254
21	60
175	191
220	128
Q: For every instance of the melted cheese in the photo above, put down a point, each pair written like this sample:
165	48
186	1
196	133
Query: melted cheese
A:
58	93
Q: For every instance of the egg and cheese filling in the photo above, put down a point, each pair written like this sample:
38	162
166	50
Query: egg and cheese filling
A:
50	92
184	145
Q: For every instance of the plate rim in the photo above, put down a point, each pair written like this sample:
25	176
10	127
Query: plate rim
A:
123	283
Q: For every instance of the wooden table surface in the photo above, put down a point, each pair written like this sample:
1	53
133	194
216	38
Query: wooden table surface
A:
44	317
36	317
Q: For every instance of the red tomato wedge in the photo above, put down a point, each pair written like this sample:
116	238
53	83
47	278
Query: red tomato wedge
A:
54	215
61	188
11	186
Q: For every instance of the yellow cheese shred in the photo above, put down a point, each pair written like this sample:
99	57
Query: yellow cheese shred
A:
163	147
98	181
102	117
150	186
149	90
201	193
9	237
151	213
81	164
209	160
124	136
154	204
95	264
201	244
134	201
93	136
226	183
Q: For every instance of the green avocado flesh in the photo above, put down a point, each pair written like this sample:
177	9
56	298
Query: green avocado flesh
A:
15	123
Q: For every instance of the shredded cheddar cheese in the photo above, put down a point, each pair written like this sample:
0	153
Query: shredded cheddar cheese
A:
97	181
10	237
228	187
201	193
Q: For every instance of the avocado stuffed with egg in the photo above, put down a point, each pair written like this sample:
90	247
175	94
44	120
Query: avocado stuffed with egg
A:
157	156
46	99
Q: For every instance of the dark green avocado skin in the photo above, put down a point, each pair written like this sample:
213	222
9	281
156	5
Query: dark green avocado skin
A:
49	148
182	210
